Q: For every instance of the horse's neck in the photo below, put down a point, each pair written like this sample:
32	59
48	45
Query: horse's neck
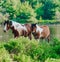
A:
12	28
39	29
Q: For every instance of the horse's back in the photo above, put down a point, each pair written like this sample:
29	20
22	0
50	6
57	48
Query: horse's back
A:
46	30
28	26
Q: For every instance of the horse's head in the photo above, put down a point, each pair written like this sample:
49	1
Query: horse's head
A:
7	25
33	28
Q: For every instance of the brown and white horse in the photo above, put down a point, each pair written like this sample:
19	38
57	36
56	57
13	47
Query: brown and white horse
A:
18	29
42	32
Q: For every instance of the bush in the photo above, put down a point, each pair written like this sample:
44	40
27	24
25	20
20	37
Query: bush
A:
24	50
52	60
24	58
23	45
52	51
4	55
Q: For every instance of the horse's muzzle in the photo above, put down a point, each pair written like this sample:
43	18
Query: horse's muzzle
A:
4	31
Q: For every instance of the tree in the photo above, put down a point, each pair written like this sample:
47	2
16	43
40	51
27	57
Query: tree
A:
39	10
49	9
22	0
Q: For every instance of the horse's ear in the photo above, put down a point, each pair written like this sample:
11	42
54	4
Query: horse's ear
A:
35	24
3	23
10	22
7	20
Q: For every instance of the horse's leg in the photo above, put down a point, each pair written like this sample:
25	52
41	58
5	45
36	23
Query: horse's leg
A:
15	36
30	36
38	40
48	38
42	39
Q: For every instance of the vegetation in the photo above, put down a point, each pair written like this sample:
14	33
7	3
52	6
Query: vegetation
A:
4	54
26	11
30	10
25	50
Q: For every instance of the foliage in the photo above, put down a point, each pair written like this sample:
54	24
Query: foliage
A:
3	17
4	55
52	60
32	50
39	10
49	9
16	9
24	58
25	10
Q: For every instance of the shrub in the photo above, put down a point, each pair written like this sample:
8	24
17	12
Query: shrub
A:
4	55
24	58
52	60
52	50
32	50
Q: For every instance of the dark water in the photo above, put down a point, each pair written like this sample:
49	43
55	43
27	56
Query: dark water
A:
55	32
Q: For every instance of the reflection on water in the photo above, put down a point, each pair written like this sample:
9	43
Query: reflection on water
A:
55	32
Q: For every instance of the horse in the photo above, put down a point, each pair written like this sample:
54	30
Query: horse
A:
40	32
18	29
